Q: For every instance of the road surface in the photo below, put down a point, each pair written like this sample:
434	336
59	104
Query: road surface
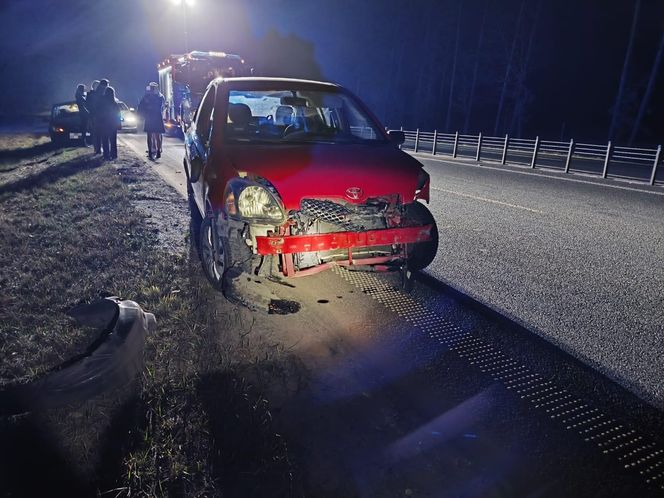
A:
581	262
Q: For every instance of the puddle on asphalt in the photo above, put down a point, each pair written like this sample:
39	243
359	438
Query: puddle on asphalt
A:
283	307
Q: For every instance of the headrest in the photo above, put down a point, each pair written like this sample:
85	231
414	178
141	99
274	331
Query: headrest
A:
239	114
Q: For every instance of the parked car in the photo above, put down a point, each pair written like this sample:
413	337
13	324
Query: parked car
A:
64	121
295	176
129	118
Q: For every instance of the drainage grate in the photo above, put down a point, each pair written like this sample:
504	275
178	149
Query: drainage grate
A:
612	437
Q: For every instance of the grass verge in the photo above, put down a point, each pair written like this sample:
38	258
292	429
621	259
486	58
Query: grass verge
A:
192	425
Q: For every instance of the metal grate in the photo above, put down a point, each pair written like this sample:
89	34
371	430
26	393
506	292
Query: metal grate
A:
631	449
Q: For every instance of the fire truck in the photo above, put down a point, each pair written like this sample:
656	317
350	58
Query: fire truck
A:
183	79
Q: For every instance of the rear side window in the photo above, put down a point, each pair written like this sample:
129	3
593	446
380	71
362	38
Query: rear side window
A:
205	115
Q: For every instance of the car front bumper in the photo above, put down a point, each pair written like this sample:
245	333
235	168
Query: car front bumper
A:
287	245
290	244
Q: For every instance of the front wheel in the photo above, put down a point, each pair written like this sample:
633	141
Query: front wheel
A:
214	257
420	254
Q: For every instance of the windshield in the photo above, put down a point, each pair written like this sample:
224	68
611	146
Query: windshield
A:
65	109
286	116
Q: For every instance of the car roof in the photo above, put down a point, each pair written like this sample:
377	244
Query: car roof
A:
262	82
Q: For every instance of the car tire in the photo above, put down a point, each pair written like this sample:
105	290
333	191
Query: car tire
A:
213	252
420	254
58	139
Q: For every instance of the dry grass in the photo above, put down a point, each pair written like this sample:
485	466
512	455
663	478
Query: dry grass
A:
193	425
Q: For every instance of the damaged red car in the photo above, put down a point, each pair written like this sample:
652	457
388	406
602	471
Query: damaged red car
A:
291	177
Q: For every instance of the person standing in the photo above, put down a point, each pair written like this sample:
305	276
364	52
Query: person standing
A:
91	101
83	112
151	107
109	121
94	108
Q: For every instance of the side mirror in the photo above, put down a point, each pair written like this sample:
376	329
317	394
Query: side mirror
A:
397	137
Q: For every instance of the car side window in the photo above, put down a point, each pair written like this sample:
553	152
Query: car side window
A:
204	116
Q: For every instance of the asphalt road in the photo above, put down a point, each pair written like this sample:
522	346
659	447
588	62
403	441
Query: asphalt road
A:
422	395
580	261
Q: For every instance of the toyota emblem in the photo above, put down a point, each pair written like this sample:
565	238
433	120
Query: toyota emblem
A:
354	193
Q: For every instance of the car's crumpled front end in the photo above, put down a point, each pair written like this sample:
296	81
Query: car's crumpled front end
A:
322	232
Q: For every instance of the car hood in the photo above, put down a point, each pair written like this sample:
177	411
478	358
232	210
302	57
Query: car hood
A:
325	171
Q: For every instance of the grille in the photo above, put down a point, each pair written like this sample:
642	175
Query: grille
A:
329	212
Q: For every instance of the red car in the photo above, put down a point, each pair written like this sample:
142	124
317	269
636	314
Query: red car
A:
293	176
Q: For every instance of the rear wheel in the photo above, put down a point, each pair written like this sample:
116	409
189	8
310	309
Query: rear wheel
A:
59	139
420	254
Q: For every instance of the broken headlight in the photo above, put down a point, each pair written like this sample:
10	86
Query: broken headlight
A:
256	202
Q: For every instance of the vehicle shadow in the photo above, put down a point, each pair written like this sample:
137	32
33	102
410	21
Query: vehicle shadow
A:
51	174
248	457
33	461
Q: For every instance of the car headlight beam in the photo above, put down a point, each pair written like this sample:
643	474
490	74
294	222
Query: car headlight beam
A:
256	202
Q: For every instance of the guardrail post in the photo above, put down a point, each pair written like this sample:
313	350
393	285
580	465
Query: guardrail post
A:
479	147
535	149
606	160
654	166
417	139
570	151
507	139
435	142
456	144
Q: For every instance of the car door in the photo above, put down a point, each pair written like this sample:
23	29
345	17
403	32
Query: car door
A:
198	145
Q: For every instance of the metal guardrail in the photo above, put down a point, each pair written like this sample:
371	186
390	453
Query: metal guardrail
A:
605	160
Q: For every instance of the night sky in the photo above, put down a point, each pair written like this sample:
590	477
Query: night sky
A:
566	56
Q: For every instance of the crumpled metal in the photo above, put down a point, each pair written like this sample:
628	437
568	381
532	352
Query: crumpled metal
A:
113	360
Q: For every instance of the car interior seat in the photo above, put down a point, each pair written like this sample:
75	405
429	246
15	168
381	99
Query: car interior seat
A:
283	115
240	117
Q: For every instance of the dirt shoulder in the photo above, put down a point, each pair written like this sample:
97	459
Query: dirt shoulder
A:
74	228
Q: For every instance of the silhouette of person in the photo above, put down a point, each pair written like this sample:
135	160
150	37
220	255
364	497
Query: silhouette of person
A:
91	102
151	107
93	108
109	121
83	112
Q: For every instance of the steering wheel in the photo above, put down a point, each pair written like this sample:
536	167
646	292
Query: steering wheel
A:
292	128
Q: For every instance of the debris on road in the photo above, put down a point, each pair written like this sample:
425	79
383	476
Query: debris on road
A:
111	361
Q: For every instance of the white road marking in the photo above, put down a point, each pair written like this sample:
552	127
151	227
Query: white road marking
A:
575	180
493	201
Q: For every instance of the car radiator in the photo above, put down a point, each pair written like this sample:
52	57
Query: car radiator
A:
324	216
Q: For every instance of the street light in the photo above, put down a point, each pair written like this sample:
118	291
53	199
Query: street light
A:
185	5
